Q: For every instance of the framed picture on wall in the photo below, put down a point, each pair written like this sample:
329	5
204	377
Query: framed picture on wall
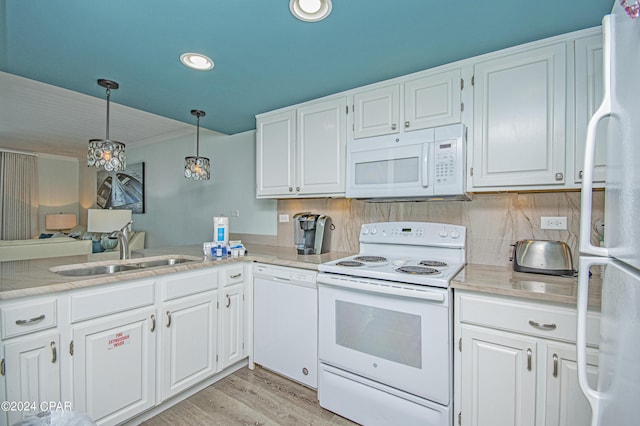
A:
122	190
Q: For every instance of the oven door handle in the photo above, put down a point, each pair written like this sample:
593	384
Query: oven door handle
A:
372	286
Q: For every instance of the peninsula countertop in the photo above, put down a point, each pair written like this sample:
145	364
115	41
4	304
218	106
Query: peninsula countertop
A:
32	277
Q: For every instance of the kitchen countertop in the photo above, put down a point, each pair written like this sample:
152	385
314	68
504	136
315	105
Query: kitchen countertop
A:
505	281
33	277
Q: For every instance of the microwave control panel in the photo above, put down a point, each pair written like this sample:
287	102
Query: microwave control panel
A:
446	163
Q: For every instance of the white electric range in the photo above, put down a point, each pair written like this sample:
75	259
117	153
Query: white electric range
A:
385	325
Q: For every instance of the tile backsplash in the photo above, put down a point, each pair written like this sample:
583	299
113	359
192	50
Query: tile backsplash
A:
493	221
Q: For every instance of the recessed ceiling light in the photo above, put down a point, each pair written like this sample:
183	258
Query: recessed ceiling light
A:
310	10
196	61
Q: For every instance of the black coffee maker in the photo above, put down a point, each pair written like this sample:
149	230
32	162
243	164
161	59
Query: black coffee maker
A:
311	233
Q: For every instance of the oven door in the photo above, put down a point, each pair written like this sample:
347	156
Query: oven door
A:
399	341
402	170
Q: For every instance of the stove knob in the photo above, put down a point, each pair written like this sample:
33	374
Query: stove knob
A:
443	233
455	234
374	231
365	231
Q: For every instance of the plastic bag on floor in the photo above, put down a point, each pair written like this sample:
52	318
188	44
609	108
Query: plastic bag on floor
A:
57	418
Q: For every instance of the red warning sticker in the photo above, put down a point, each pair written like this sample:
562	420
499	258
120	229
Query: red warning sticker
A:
118	339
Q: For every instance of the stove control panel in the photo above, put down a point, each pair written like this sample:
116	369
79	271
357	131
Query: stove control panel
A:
415	233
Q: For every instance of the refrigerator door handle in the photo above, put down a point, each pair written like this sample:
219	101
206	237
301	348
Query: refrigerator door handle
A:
592	395
603	111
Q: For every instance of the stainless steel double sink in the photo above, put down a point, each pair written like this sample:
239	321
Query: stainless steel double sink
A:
101	268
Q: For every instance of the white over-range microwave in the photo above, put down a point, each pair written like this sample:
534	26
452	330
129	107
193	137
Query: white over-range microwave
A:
424	164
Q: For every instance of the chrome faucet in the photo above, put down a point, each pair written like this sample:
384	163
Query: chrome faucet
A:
123	240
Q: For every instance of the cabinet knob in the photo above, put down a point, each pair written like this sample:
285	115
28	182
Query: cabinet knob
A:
555	365
31	320
290	189
559	176
228	301
168	319
153	323
529	358
580	174
393	126
297	188
535	324
406	124
305	371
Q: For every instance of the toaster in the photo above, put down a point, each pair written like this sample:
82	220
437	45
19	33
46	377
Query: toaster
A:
542	257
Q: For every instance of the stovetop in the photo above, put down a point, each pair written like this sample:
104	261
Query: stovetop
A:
421	253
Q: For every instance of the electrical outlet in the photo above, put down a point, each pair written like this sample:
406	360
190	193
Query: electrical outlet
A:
283	218
553	222
235	213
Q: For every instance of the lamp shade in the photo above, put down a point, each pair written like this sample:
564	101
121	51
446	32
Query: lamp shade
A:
60	221
99	220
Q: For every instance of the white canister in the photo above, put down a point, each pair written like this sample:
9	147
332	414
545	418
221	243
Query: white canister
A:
221	230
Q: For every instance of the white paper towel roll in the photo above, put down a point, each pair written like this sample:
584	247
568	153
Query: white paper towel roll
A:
221	230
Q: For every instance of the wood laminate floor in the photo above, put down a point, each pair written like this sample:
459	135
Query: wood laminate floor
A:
246	397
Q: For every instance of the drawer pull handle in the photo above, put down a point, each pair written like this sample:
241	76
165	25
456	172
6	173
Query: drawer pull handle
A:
30	321
529	356
228	301
153	323
238	275
168	319
54	353
555	365
539	326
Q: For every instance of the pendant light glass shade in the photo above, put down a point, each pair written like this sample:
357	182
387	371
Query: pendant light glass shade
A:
197	168
105	153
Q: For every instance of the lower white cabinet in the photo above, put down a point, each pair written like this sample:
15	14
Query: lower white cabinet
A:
499	379
188	352
516	362
114	360
117	350
32	372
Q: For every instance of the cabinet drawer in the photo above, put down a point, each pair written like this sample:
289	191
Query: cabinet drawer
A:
185	284
105	301
535	319
27	317
232	275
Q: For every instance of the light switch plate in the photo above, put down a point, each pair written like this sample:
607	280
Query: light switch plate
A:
283	218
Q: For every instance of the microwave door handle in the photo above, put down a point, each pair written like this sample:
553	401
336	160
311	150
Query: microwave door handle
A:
424	166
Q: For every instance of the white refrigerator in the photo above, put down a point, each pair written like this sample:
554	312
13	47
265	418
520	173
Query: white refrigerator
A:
615	400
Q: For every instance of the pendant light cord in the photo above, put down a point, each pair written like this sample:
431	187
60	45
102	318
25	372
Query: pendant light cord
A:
198	137
108	96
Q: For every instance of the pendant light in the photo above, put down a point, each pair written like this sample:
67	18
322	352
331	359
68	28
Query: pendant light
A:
105	153
197	168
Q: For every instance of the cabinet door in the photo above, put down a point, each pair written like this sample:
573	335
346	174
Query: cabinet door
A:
433	100
188	342
32	371
231	332
321	147
376	111
498	378
519	119
589	91
565	403
275	154
114	365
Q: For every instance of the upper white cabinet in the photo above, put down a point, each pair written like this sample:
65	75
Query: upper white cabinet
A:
301	152
275	154
418	101
519	121
589	82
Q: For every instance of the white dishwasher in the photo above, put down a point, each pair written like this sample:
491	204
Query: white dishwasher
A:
285	329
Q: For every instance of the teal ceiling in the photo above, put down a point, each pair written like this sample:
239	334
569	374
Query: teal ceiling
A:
264	58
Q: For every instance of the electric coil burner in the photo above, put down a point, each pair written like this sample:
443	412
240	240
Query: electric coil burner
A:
385	334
